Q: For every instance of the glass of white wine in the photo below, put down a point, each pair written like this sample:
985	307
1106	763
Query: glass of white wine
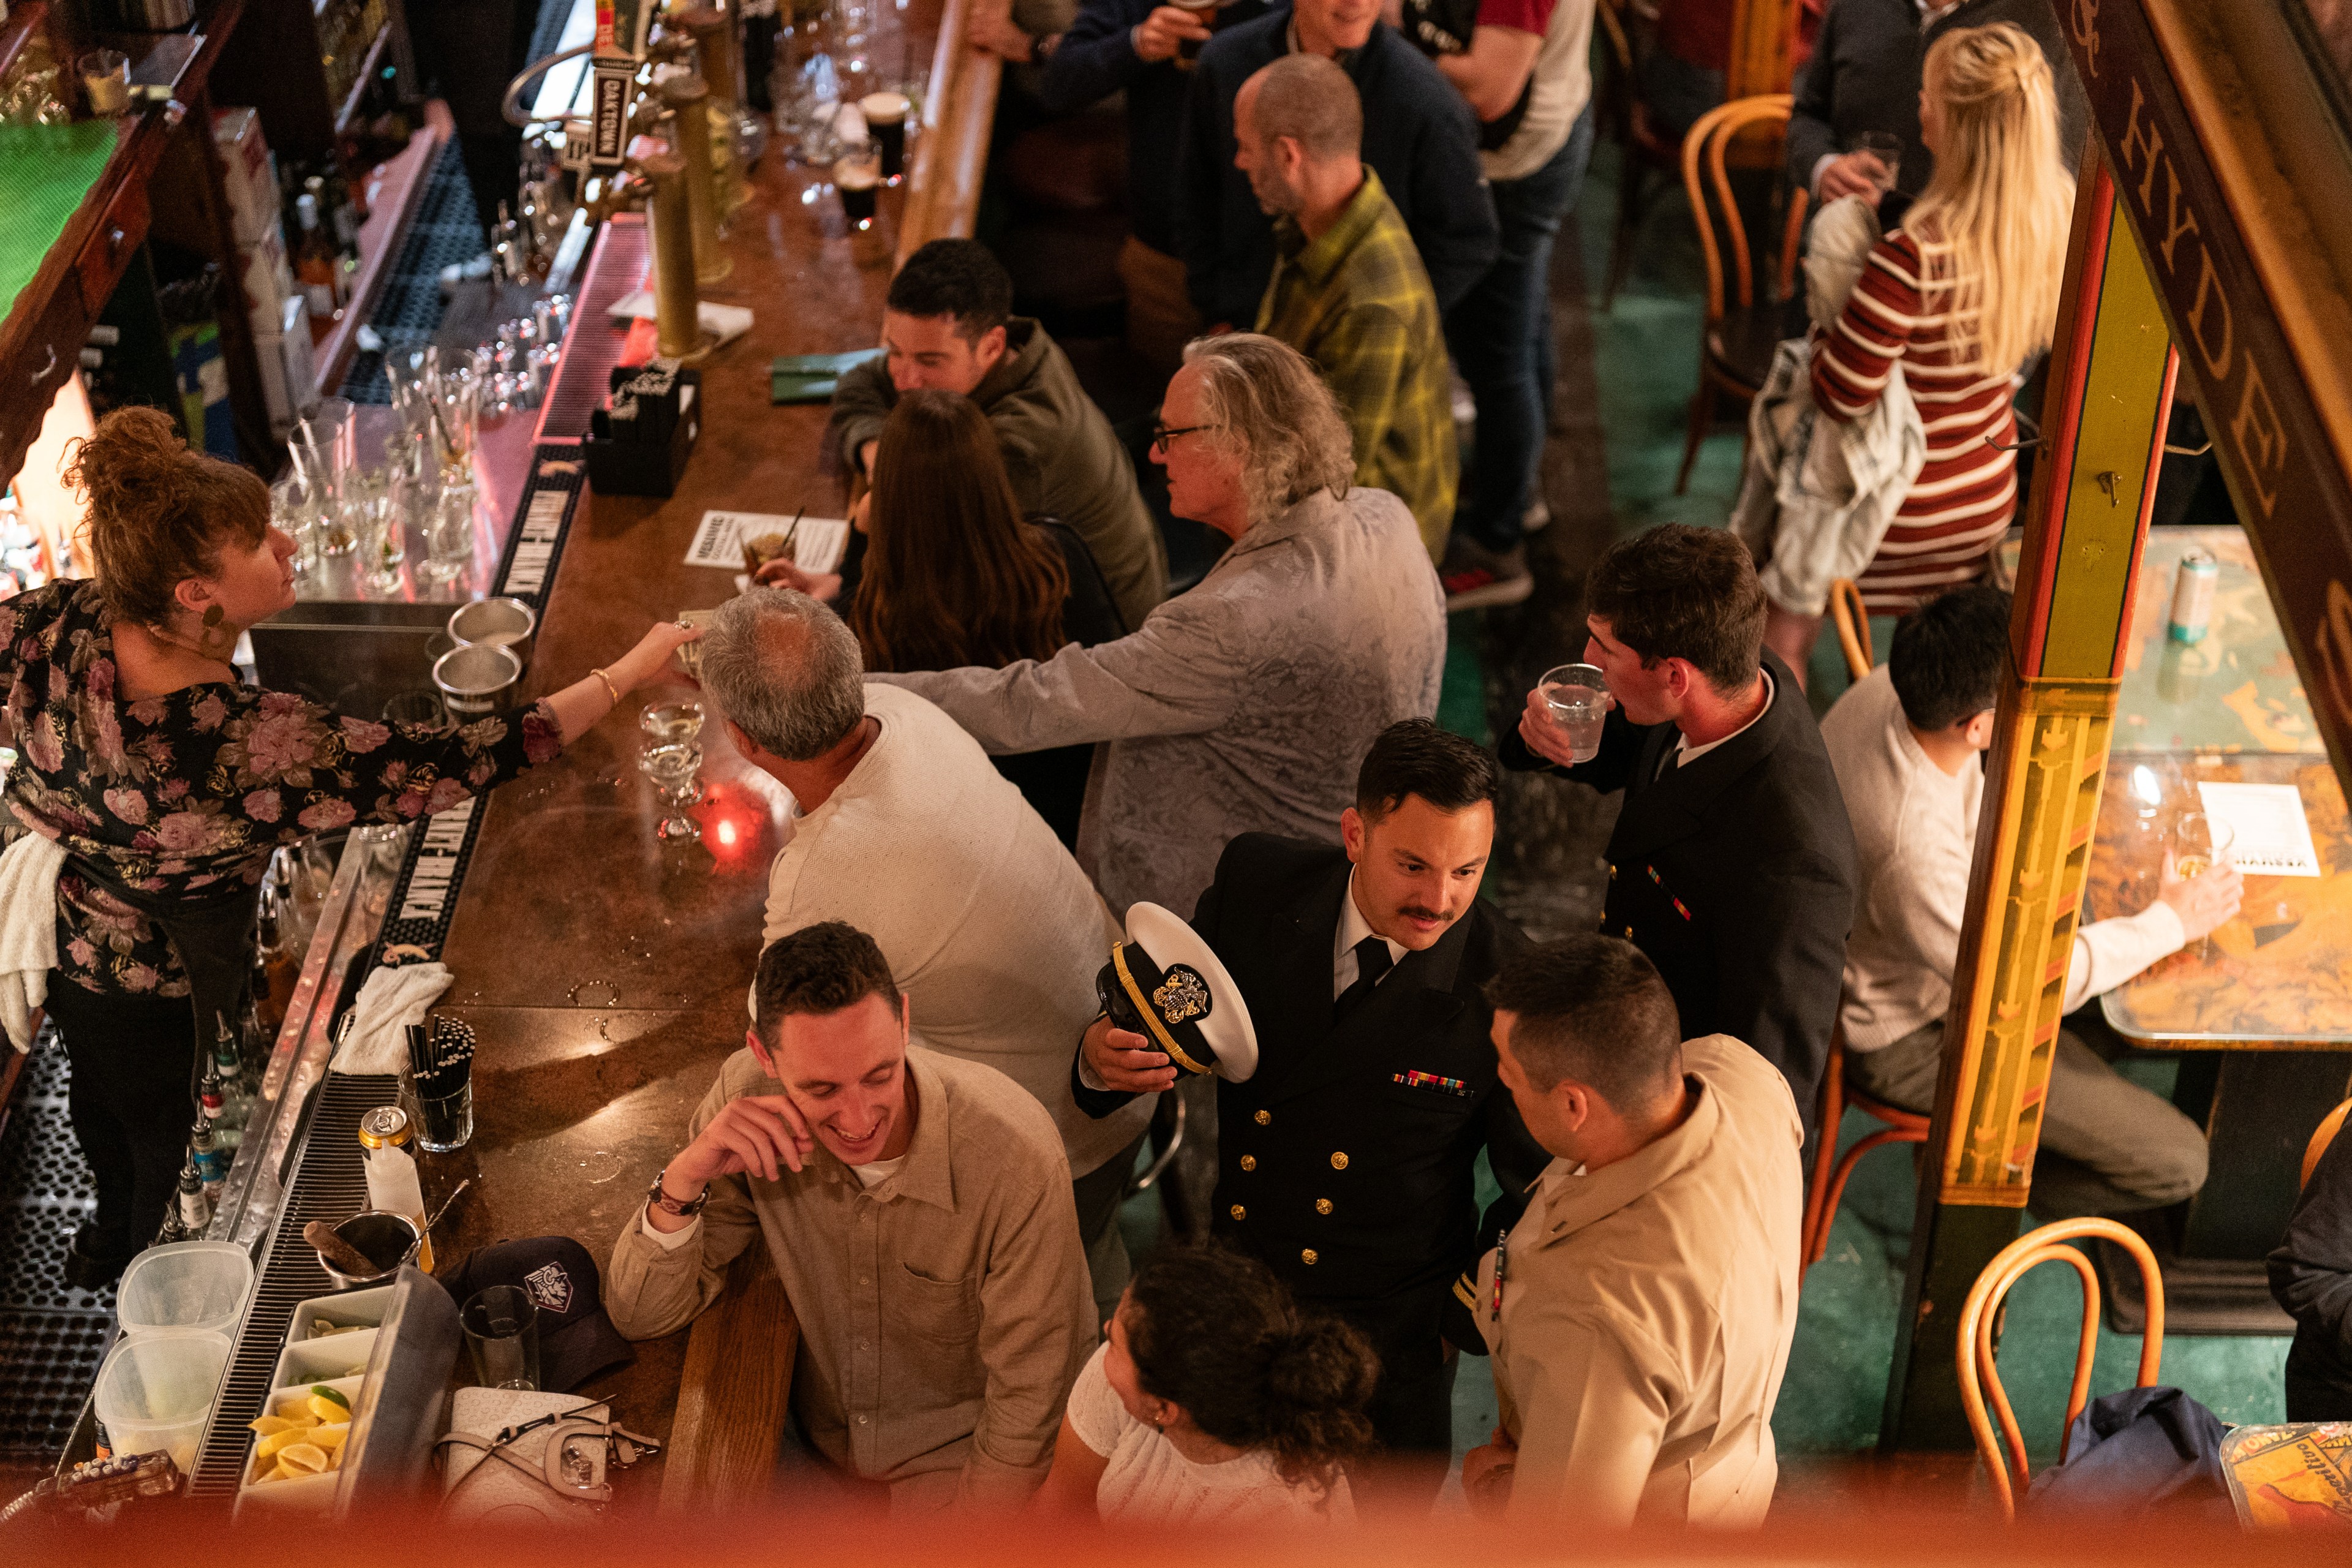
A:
2199	843
673	767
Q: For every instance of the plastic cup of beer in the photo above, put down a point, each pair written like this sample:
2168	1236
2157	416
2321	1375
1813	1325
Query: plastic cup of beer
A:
1577	696
857	175
1204	12
886	116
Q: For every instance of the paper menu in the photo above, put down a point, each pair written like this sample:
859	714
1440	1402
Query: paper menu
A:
2272	837
818	543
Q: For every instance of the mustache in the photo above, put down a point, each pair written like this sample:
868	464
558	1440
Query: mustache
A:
1413	911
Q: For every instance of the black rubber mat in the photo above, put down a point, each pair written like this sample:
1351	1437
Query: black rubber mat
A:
408	308
51	1336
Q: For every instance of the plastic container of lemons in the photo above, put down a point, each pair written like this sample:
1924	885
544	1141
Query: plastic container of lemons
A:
318	1444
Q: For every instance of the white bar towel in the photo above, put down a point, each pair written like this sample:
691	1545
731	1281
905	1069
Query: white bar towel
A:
392	998
28	932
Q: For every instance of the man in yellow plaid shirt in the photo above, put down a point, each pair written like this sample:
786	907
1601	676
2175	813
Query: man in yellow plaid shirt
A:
1348	290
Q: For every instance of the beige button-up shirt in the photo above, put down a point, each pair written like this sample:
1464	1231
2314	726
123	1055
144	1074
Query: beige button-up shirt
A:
1647	1311
943	1314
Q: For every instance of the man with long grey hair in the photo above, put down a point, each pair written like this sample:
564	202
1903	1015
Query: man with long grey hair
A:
1243	705
906	831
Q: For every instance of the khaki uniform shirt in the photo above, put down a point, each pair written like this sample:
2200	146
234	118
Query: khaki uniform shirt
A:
1647	1311
943	1315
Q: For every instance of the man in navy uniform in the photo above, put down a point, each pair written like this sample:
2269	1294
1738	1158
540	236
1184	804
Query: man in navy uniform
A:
1345	1158
1732	863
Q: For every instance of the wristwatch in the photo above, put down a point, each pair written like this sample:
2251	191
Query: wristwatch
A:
683	1209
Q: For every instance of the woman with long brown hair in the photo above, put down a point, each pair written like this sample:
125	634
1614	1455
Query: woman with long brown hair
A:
167	782
952	574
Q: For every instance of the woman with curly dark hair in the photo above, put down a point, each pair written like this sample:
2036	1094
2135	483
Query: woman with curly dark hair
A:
1215	1399
163	783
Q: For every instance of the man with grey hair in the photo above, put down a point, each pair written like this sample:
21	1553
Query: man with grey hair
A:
904	829
1348	290
1244	704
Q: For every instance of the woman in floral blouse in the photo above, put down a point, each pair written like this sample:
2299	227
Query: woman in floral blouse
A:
169	783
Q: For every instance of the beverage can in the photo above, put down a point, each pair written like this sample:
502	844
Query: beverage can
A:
2193	596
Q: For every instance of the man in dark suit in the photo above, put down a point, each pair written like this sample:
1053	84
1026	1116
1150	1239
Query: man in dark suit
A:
1344	1161
1732	862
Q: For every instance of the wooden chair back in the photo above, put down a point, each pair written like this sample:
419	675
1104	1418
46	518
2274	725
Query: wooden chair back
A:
1853	623
2321	1137
733	1393
1712	201
2004	1453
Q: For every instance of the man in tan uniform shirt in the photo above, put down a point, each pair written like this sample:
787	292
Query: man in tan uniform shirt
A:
1646	1299
917	1208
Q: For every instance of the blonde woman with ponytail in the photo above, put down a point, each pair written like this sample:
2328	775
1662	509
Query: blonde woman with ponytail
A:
1962	295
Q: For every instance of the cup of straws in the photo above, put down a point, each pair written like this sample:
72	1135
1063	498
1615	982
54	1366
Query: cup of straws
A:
441	1073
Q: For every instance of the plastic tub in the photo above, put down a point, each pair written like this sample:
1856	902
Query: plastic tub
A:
187	1285
156	1391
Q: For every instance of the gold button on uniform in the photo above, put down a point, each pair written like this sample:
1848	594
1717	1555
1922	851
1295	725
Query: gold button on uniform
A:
1322	1206
1307	1255
1238	1211
1264	1117
1249	1161
1339	1162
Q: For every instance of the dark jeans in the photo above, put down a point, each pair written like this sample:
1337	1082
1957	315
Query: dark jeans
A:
1500	334
131	1101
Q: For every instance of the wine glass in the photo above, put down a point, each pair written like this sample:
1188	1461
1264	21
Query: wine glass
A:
2199	842
673	766
667	722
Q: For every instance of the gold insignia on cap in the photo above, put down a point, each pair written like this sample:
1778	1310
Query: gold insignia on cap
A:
1263	1117
1305	1255
1340	1162
1182	996
1249	1161
1322	1206
1238	1211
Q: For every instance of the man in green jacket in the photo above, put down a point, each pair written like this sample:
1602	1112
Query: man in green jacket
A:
948	324
1348	290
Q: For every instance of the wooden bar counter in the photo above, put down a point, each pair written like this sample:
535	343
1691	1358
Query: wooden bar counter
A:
604	969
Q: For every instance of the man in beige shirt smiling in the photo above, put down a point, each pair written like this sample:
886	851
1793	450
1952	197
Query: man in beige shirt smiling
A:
1641	1310
917	1208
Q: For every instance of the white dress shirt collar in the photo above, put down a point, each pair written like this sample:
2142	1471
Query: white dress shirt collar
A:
1685	753
1354	928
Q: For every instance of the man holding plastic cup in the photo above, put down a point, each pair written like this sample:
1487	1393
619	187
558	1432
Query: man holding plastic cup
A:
1731	864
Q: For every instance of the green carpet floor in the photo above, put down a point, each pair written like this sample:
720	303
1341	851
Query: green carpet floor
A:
1647	355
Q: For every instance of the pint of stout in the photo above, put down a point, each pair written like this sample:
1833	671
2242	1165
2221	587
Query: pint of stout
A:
857	175
1204	12
886	116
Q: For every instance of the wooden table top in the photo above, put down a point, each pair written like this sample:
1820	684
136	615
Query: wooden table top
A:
2228	709
604	969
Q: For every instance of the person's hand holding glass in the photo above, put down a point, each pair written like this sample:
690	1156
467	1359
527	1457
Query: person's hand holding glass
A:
1565	714
2198	882
1867	168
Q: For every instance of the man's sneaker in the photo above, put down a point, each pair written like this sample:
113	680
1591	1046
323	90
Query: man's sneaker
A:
1477	578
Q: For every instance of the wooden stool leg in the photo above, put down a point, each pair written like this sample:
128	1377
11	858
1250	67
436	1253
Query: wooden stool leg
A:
1702	419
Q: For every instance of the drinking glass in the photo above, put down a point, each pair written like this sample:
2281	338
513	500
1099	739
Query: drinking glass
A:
290	510
449	536
416	709
456	424
1885	146
2198	843
673	765
1578	698
502	1337
666	723
444	1122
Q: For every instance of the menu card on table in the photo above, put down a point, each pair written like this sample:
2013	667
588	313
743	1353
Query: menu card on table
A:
818	543
2271	836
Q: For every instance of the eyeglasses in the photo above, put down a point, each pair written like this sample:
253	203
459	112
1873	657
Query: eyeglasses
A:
1161	435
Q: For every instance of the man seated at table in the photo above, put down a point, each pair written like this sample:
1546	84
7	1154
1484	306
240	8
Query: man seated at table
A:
948	323
1905	742
908	832
1348	290
918	1210
1641	1310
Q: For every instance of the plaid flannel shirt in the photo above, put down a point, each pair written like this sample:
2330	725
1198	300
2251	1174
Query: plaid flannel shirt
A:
1357	301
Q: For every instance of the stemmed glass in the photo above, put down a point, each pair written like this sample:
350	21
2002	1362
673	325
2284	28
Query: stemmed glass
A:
2198	843
673	760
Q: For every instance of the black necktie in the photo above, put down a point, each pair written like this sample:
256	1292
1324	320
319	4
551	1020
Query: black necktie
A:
1372	961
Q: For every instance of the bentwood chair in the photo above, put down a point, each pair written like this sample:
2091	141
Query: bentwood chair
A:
2005	1452
1740	332
1853	623
1830	1173
2321	1138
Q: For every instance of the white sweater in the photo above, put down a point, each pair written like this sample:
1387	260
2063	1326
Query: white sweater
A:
989	925
1915	833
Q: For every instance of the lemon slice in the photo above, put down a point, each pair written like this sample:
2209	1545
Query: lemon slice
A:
329	1410
267	1426
278	1442
306	1458
330	1438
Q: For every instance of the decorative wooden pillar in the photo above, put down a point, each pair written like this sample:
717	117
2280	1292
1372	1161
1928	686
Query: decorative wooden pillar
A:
2110	392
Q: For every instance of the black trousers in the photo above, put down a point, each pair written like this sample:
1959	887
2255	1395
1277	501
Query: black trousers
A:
131	1101
1412	1410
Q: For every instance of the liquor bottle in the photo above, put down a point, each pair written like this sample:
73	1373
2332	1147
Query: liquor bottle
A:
190	1212
316	266
211	1160
237	1100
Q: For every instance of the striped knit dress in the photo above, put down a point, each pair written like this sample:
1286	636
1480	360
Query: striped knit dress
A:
1959	505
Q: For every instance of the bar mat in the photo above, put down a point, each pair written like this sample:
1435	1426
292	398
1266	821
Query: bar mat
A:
45	173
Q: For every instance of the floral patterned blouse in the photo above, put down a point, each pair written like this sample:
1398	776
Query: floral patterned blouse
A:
181	793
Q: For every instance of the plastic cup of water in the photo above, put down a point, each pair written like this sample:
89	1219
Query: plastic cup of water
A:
1578	698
